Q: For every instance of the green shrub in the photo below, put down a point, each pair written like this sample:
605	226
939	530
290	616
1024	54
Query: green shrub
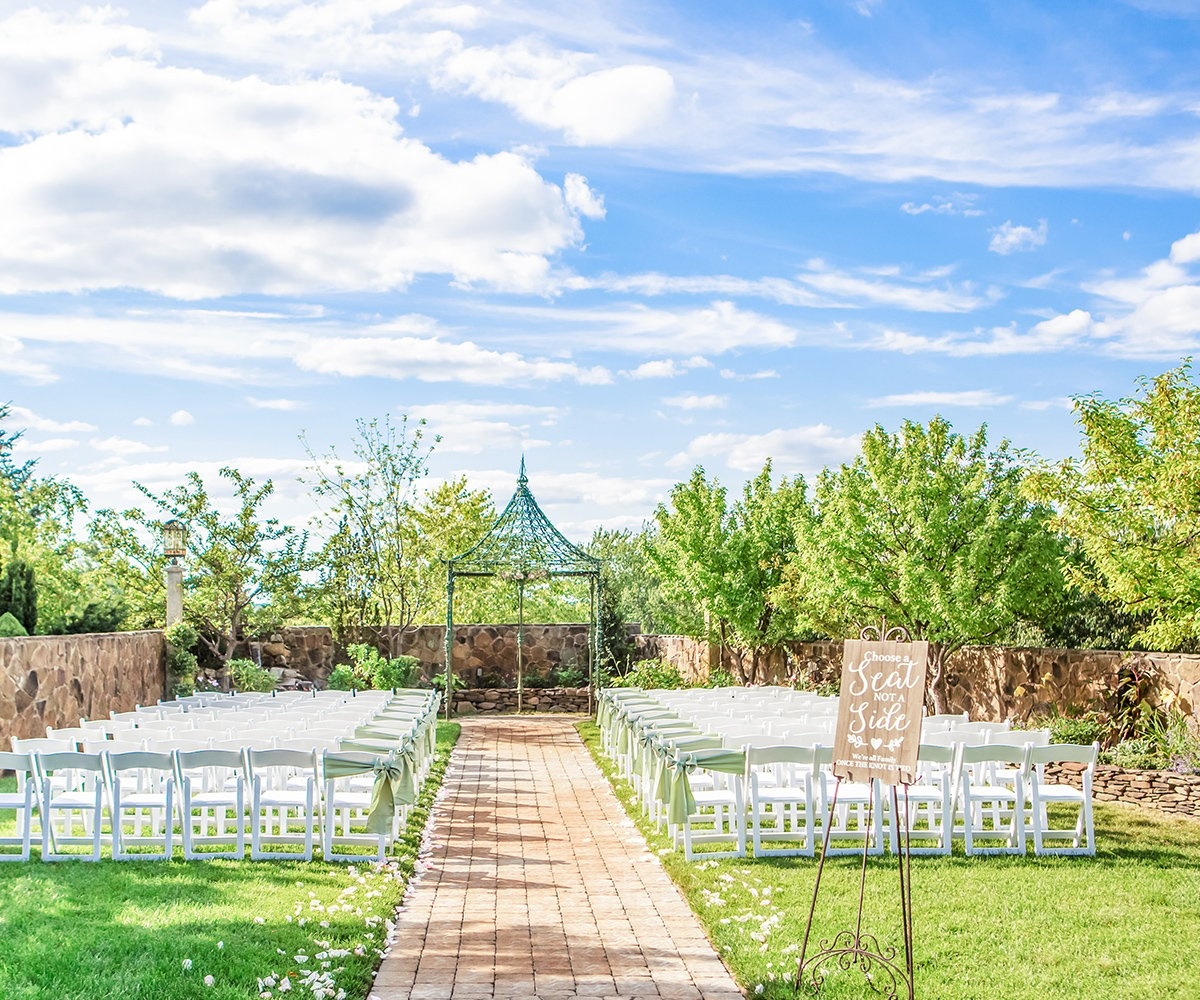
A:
720	678
181	635
1136	753
374	670
10	628
1089	727
343	678
105	615
181	661
438	681
248	676
652	674
570	677
18	594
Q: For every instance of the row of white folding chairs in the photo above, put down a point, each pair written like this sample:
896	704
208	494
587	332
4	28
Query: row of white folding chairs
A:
992	797
145	792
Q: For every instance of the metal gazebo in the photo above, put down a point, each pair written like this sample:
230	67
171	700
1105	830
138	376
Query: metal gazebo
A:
523	546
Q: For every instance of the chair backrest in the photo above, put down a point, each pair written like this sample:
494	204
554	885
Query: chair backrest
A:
42	745
982	727
210	767
1028	737
274	766
79	769
20	763
1072	753
935	753
133	760
789	754
96	745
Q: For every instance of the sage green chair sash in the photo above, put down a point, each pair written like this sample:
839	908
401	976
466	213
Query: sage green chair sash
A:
681	803
394	784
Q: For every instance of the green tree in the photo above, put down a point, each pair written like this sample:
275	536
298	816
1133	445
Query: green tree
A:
37	529
242	571
18	593
1133	502
371	575
931	530
725	561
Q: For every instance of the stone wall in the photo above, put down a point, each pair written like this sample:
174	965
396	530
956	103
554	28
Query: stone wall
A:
1176	793
989	682
57	680
486	655
496	701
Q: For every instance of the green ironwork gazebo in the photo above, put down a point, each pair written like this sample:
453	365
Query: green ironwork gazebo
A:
523	546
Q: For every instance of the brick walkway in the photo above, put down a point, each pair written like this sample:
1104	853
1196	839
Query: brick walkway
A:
541	888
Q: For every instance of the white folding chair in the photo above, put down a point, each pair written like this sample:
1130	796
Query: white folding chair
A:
212	801
345	808
1042	793
21	802
783	809
719	818
72	786
854	814
991	807
926	807
280	812
141	796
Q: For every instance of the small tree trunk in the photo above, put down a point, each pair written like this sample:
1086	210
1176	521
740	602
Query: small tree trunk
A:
936	686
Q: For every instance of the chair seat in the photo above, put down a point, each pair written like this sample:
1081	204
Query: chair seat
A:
926	793
283	797
73	800
1059	793
209	800
993	792
144	800
349	800
12	800
781	793
713	797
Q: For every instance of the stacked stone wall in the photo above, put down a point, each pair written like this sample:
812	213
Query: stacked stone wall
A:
57	680
1166	790
497	701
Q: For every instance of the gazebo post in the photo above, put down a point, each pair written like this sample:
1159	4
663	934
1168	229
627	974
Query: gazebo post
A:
593	641
520	644
449	640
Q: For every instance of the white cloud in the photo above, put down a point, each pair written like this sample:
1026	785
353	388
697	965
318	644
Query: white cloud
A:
639	329
32	421
24	445
964	397
1057	403
434	360
142	422
957	204
817	285
1007	238
581	198
749	376
181	418
124	446
692	401
474	427
668	368
276	404
16	366
132	172
791	449
1059	333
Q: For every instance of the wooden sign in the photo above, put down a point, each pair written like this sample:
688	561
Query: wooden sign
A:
879	711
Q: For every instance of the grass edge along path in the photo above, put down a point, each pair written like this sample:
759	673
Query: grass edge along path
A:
217	930
1120	926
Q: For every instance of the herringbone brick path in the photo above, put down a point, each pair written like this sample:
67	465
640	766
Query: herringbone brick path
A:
541	888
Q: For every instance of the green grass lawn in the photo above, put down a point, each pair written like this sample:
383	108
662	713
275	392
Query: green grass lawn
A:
155	930
1124	925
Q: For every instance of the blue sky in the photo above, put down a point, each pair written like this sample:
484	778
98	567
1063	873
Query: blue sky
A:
624	238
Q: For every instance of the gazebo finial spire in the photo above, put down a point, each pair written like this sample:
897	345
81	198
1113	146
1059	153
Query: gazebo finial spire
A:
522	479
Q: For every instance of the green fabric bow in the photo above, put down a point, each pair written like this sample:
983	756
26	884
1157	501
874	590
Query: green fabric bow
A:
681	803
394	784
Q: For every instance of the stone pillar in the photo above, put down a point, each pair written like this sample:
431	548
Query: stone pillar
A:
174	593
